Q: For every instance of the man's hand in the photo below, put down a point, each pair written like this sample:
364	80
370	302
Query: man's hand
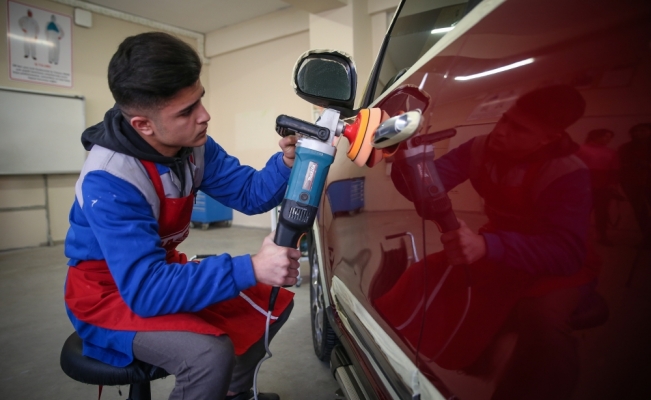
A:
288	146
275	265
463	246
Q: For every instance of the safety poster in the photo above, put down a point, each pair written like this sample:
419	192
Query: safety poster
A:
40	45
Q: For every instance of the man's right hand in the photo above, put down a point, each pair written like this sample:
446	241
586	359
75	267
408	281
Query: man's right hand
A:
463	246
276	265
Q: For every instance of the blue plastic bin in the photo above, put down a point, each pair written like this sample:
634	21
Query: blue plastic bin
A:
346	195
207	210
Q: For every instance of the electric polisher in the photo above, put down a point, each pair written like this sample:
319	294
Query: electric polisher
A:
414	174
315	152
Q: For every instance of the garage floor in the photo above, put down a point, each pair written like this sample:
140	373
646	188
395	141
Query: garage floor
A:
33	327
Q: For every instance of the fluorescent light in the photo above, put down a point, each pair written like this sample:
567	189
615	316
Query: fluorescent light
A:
422	83
442	30
495	71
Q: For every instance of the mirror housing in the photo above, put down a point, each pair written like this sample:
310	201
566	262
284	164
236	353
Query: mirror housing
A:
326	78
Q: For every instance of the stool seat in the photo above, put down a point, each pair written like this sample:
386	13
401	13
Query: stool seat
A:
88	370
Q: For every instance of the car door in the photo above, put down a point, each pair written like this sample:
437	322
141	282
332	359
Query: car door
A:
372	236
459	327
375	219
472	324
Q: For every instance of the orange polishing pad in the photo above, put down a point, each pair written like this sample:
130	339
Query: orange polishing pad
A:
355	133
360	135
366	148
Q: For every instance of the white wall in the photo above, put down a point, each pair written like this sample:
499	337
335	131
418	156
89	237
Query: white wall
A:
250	73
250	87
247	85
24	206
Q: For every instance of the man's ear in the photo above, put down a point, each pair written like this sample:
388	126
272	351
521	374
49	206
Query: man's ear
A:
143	125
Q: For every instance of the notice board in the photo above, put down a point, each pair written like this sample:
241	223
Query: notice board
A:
40	133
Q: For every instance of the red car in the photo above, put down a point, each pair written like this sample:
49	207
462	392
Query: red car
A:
501	250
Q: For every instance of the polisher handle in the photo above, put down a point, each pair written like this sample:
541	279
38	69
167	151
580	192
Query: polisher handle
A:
286	126
285	237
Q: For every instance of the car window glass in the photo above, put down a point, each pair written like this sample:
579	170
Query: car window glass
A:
420	24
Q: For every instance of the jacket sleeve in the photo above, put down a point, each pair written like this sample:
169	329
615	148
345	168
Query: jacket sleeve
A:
124	226
454	166
242	187
564	206
560	247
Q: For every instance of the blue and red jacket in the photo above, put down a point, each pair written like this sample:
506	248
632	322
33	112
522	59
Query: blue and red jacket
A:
115	218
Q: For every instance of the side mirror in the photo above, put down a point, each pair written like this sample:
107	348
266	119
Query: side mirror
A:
326	78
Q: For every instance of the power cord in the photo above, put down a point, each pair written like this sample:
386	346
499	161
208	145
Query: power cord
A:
266	357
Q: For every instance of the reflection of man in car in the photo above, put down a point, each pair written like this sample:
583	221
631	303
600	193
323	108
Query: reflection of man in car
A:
527	265
537	199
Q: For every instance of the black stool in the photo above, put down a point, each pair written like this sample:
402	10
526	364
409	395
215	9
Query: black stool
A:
88	370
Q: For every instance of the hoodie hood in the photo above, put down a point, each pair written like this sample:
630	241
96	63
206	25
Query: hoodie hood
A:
115	133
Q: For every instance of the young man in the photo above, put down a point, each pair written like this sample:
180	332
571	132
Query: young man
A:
129	293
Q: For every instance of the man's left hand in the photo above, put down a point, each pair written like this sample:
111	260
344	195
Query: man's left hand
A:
288	146
463	246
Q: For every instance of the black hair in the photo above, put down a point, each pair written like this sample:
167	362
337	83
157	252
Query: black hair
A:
555	107
597	134
150	68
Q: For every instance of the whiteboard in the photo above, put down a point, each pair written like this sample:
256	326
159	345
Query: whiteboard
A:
40	133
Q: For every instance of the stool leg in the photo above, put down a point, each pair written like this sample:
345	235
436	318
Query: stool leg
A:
140	391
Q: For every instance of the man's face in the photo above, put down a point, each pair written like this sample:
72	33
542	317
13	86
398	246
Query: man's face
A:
515	140
182	122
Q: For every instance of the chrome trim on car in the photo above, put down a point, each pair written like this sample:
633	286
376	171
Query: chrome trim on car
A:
398	360
317	241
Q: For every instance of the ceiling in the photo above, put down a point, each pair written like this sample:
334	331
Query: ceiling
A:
205	16
201	16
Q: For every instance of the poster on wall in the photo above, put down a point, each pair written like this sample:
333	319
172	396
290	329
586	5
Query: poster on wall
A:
40	45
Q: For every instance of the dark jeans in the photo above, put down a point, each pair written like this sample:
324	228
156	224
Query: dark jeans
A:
205	366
